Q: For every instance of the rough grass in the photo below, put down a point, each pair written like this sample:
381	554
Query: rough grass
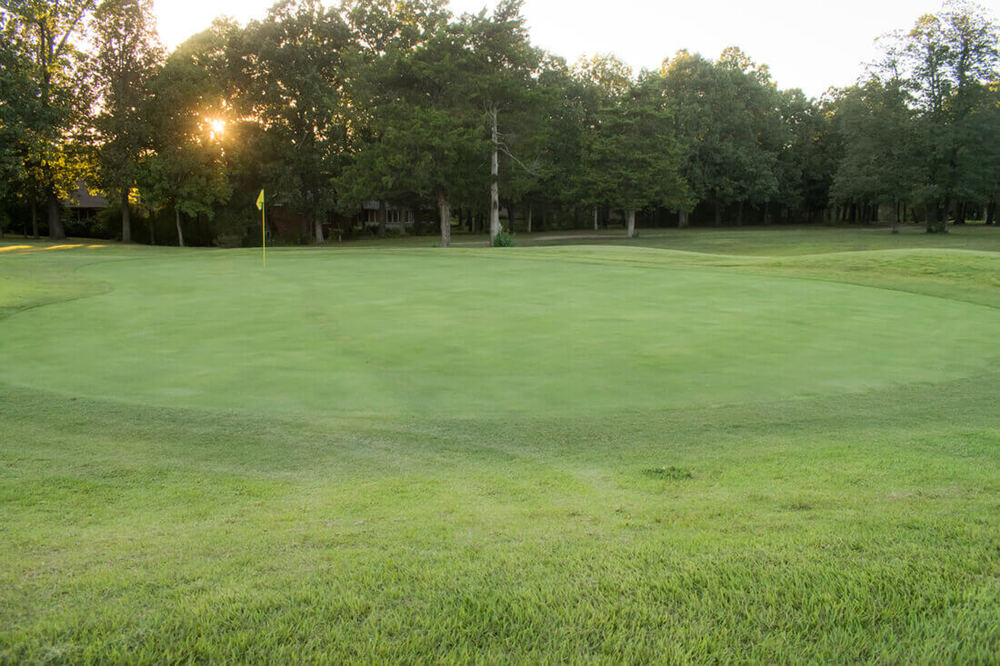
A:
787	519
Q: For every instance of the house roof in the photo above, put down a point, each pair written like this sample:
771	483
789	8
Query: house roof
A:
82	198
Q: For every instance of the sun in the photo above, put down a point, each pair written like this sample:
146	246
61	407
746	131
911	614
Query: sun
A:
217	127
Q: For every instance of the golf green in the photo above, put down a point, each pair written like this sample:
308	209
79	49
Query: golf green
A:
463	333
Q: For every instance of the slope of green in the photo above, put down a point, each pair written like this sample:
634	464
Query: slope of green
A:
553	454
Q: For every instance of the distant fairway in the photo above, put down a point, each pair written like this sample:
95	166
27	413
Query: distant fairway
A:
564	453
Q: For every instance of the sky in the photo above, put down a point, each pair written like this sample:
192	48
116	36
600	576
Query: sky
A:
808	44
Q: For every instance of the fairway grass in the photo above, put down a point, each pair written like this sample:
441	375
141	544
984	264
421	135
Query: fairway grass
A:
627	453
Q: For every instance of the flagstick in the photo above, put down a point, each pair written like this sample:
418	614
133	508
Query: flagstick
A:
263	231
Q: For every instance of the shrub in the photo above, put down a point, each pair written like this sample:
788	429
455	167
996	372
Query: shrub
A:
503	239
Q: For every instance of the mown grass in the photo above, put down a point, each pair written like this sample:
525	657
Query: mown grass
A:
755	517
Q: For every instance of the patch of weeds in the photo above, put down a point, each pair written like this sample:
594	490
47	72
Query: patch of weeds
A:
670	473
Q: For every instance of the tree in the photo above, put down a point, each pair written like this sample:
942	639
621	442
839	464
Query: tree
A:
724	113
503	62
881	160
127	55
291	75
15	92
541	146
602	81
947	61
186	110
43	34
424	131
809	159
635	160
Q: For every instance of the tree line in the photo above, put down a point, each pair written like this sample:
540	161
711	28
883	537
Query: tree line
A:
460	117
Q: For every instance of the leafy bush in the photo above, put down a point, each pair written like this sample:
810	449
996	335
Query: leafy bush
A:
503	239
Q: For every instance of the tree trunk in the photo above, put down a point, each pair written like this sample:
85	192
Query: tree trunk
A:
630	222
511	213
318	228
991	212
126	220
444	209
960	213
682	219
529	218
34	220
935	223
767	212
739	215
180	233
718	213
151	225
56	230
595	218
382	215
494	180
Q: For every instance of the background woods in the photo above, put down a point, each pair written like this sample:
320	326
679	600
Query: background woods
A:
377	115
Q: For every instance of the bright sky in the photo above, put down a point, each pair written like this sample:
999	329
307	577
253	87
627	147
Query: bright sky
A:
809	44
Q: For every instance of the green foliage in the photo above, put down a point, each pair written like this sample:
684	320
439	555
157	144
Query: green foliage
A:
328	108
725	123
425	127
632	156
127	55
948	63
50	96
503	239
882	157
607	73
191	168
290	74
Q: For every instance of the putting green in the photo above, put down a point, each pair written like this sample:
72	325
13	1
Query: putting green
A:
463	332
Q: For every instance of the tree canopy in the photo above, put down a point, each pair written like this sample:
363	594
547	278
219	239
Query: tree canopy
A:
461	118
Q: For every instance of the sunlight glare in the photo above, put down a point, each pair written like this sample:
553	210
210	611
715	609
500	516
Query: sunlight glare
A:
217	128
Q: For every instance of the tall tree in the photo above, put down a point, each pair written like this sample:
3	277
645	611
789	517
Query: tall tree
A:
723	113
636	158
881	161
947	60
127	55
291	74
15	93
425	127
192	130
45	34
541	146
809	159
504	63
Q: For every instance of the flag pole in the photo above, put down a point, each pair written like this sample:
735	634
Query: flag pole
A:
263	230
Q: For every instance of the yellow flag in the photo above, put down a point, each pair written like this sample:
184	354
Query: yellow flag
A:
260	200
